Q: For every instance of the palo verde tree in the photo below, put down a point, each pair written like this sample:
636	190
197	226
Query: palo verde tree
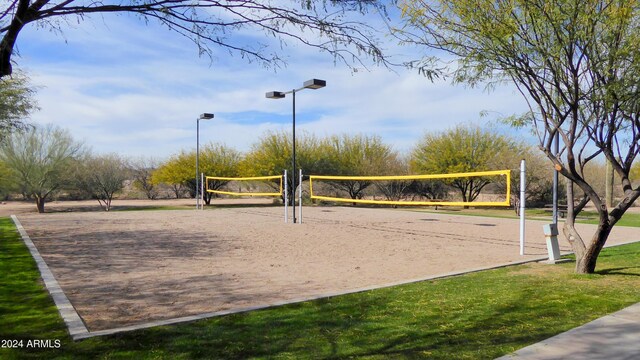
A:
575	63
272	154
17	102
635	173
101	177
358	155
396	190
321	24
179	172
6	181
141	169
460	150
538	190
40	160
218	160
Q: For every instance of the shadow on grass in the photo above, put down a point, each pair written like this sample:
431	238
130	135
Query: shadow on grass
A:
372	324
619	271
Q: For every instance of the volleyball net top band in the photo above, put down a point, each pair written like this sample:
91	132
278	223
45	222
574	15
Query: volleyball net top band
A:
278	178
451	177
503	175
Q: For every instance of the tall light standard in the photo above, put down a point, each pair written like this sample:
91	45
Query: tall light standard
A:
309	84
204	116
556	150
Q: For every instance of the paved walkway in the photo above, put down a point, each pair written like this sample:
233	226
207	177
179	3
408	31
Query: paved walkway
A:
613	337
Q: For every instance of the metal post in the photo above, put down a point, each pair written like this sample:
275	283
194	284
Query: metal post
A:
286	198
203	116
300	198
523	184
556	148
202	191
293	157
197	158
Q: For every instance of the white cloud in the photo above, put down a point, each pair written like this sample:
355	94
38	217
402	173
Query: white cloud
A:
137	90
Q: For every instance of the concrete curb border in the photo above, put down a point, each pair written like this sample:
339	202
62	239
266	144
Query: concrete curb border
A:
74	322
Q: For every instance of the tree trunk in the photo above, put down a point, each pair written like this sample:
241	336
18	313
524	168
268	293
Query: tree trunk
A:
586	264
569	230
587	254
177	189
463	191
40	204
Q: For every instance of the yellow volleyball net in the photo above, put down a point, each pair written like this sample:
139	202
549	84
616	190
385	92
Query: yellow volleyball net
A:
247	186
492	188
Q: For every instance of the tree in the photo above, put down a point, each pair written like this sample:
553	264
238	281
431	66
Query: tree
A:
429	189
576	65
40	159
271	155
16	103
142	170
218	160
635	173
539	175
324	25
101	177
358	155
460	150
178	172
6	181
395	190
539	178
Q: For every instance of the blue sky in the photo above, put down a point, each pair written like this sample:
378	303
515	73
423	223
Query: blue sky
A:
122	86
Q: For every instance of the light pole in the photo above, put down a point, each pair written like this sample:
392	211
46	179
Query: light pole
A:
309	84
204	116
556	149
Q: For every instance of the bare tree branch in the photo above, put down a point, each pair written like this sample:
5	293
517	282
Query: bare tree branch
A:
325	25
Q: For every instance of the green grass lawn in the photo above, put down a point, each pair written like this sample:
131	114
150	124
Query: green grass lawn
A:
476	316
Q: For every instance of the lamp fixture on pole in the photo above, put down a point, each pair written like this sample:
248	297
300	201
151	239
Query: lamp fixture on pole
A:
203	116
309	84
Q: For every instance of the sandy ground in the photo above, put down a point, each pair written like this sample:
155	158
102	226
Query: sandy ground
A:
127	267
8	208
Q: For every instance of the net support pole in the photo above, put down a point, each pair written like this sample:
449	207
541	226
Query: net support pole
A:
286	199
293	159
523	183
300	198
202	191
